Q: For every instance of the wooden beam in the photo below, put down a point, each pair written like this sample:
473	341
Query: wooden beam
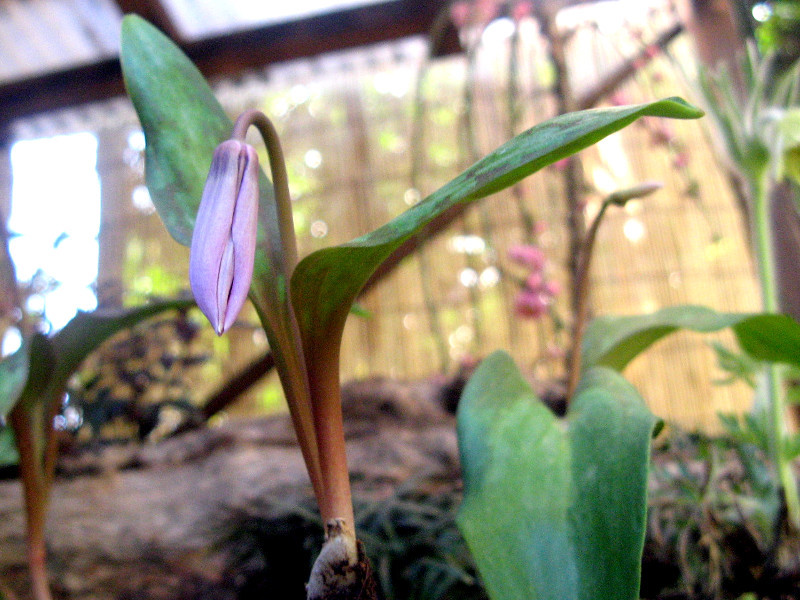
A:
153	11
230	54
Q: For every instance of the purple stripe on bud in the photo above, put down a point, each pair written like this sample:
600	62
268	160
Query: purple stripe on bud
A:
224	239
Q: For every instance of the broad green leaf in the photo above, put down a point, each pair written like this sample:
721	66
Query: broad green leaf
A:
325	283
614	341
8	447
13	374
183	123
87	330
53	360
554	509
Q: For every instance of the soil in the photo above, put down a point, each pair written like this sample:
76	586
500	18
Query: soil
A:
226	513
152	521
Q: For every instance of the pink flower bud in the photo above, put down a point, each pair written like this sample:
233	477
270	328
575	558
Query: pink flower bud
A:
527	255
552	288
521	10
534	281
530	304
681	160
224	239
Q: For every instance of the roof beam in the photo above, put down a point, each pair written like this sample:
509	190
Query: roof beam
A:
230	54
154	11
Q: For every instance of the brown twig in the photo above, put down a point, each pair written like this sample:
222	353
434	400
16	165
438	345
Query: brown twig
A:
617	77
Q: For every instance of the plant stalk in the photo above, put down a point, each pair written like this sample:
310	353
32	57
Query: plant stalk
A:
291	365
582	301
280	180
35	487
326	399
765	258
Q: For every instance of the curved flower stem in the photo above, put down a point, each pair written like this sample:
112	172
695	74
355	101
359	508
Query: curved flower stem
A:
331	482
280	180
289	356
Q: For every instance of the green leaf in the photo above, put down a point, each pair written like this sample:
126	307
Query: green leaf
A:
554	509
87	330
8	447
13	374
183	123
53	360
325	283
614	341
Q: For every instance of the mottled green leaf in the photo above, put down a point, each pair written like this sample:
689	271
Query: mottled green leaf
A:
53	360
325	283
554	509
614	341
8	447
183	123
13	374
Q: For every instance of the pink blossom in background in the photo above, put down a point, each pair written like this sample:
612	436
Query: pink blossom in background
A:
619	99
538	292
521	10
652	51
535	280
527	255
553	288
459	13
530	304
681	160
661	135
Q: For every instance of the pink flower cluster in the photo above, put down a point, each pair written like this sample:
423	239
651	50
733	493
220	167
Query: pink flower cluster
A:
538	291
481	12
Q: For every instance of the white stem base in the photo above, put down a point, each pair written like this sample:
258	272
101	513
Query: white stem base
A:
337	568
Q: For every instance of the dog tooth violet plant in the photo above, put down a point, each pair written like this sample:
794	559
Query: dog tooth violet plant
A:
303	305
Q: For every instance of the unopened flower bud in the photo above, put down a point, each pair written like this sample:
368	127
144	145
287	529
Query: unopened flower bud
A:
224	239
637	191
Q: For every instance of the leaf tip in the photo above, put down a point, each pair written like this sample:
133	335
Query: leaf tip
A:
685	109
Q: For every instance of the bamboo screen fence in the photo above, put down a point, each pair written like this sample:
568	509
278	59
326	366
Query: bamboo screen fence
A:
372	131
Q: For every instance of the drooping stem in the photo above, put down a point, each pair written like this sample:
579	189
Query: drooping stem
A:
280	180
328	466
291	364
773	380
